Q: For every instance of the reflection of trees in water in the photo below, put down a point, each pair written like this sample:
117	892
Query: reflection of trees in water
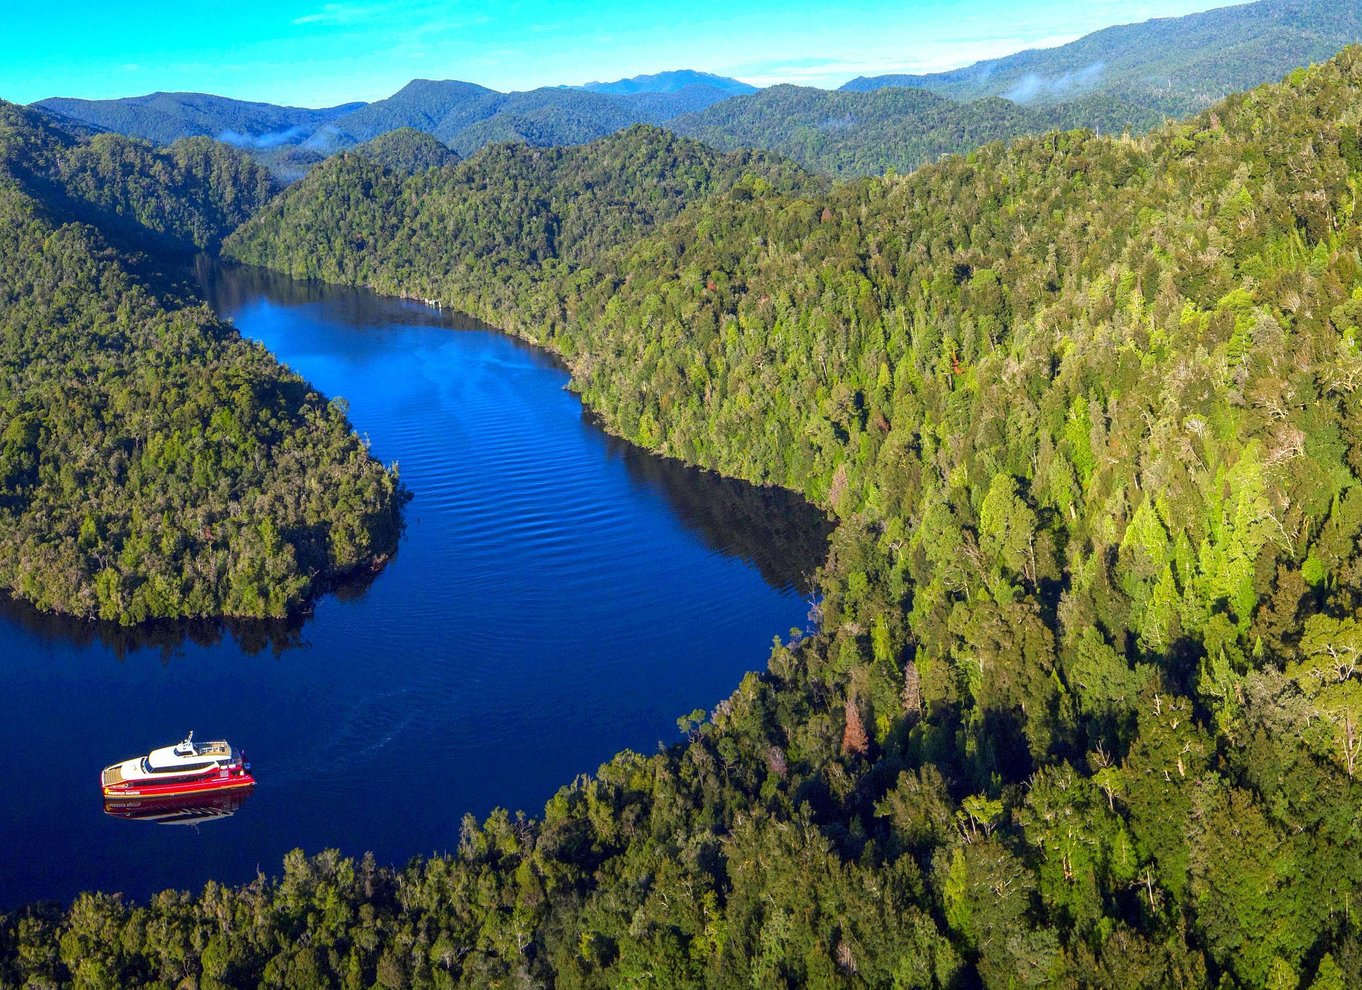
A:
775	530
230	288
167	637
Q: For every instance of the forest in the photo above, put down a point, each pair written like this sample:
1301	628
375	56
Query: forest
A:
1082	704
153	464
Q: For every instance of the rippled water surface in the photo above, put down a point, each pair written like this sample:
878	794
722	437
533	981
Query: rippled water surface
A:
558	596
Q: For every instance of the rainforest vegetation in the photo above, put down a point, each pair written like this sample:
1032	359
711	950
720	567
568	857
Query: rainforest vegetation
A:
152	463
1082	707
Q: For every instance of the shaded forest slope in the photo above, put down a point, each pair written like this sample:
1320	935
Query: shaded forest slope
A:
152	463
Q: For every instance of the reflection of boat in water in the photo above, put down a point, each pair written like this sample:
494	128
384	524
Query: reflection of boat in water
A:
186	768
180	810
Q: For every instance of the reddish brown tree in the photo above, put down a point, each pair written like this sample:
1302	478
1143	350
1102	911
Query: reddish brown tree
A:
854	739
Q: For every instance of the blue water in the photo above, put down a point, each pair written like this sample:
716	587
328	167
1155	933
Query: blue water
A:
557	596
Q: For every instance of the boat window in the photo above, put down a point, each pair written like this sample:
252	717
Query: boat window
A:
184	767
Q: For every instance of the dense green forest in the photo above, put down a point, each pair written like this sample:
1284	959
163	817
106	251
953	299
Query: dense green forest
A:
182	198
152	463
407	151
1083	705
486	231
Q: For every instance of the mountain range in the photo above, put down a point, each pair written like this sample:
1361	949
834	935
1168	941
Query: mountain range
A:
1126	77
1176	64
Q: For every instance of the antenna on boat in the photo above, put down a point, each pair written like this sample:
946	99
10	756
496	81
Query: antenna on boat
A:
188	745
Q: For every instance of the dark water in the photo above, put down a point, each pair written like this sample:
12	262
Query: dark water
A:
558	596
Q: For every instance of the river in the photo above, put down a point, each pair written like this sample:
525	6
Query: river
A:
558	595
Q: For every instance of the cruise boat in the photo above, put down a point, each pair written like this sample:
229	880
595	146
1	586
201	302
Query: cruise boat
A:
185	768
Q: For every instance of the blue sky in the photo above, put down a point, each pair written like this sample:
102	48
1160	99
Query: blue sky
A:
323	52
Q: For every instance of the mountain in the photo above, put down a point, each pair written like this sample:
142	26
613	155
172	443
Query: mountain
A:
671	82
164	117
153	464
858	133
466	117
1173	64
463	115
1128	77
426	105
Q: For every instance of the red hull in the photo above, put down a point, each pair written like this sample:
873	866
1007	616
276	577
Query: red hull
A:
218	781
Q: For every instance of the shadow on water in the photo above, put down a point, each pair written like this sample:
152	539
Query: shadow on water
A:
774	529
168	638
244	284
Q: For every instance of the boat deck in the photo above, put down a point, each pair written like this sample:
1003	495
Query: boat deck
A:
218	749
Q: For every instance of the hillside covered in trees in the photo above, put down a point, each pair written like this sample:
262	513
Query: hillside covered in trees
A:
1082	706
152	463
488	229
848	134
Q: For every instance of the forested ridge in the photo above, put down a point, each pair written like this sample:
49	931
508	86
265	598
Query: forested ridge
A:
153	464
484	234
166	117
1081	708
849	134
182	198
1170	65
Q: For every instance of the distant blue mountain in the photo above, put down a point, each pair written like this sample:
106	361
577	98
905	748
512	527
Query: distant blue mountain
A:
671	82
466	116
1172	65
461	115
165	117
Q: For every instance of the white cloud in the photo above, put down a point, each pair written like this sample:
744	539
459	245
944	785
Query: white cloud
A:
342	13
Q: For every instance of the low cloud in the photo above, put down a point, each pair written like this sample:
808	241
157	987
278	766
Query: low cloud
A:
341	13
260	141
1033	87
